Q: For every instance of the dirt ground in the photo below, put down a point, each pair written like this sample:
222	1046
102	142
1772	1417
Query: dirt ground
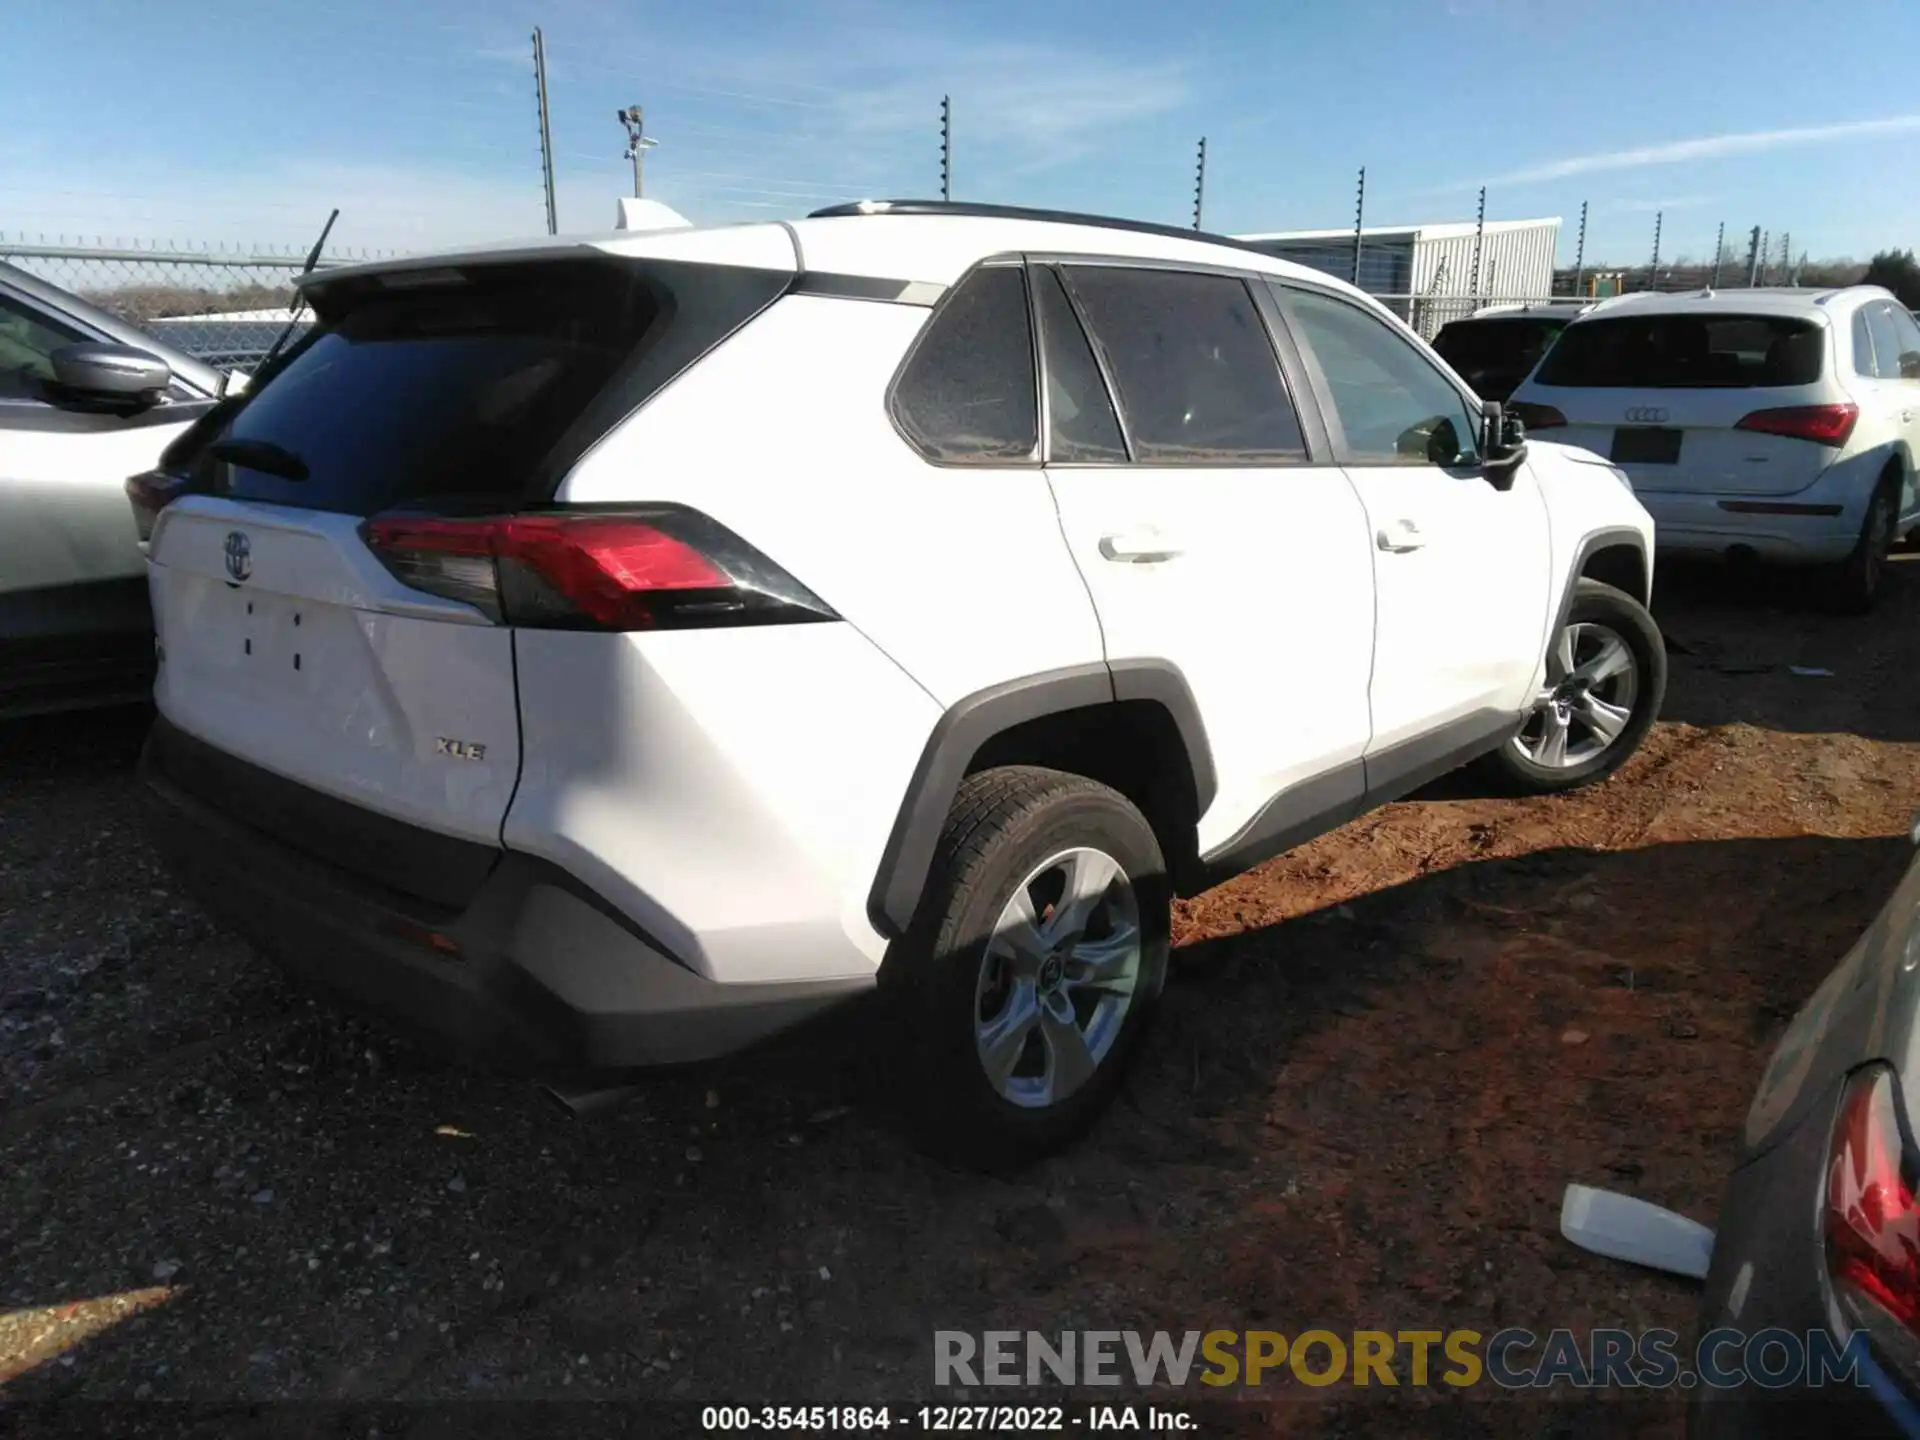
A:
1382	1059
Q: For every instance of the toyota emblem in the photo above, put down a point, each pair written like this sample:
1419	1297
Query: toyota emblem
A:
239	554
1647	415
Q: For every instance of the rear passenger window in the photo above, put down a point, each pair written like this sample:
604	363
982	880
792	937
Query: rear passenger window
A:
1198	380
1081	426
1886	341
1907	331
967	396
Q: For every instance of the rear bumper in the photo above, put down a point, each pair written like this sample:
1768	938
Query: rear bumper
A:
1818	524
1702	524
531	970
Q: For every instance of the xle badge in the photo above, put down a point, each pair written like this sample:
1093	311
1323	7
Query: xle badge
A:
458	749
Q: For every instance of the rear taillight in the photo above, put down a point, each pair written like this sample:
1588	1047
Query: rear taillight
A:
1822	424
1537	417
657	568
1872	1216
151	493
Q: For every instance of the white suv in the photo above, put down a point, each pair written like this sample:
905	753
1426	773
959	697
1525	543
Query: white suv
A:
1779	425
610	652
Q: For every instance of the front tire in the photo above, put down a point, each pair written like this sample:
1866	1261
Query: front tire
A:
1032	971
1606	677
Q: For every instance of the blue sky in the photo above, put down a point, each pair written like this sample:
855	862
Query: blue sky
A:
243	121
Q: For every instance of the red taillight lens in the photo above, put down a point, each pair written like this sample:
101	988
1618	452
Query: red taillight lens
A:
1872	1215
1537	417
663	568
1822	424
151	493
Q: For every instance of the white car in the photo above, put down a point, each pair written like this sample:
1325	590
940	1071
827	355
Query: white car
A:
1778	425
85	401
609	652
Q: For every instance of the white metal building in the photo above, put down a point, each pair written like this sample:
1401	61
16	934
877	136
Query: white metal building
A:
1431	262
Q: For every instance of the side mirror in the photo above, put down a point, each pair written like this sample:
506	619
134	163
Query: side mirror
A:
112	374
1503	444
1910	365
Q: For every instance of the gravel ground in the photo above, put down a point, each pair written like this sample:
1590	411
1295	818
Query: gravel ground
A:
1382	1058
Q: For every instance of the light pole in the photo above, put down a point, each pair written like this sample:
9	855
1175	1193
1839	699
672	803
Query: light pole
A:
637	142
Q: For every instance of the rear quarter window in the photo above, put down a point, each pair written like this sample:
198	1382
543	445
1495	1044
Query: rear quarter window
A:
1686	352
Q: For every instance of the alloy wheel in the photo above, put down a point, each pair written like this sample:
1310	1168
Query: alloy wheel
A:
1587	702
1058	978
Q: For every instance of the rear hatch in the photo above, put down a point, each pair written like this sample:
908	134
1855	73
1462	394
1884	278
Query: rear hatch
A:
442	398
1717	403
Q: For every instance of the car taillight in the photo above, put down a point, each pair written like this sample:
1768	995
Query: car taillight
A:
1537	417
1822	424
653	568
1872	1214
151	493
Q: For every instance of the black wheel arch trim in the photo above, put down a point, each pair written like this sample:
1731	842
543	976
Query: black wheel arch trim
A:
1590	545
971	722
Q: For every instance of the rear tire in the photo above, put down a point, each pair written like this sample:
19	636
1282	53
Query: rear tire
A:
989	1004
1853	586
1606	677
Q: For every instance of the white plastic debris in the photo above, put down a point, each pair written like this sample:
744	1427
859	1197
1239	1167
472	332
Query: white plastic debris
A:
1624	1228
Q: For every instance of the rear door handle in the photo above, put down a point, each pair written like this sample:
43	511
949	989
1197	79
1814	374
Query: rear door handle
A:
1399	537
1138	547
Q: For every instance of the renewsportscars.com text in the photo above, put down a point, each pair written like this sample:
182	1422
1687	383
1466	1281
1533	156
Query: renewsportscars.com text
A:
1512	1359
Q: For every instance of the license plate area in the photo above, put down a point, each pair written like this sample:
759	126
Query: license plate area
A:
1646	445
269	640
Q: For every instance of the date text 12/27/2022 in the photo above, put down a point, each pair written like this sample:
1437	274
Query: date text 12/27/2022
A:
945	1419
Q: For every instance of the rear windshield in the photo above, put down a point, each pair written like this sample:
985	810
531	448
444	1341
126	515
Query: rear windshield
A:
1506	345
1685	352
467	389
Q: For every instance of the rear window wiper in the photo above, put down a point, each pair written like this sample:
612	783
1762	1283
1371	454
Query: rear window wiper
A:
262	455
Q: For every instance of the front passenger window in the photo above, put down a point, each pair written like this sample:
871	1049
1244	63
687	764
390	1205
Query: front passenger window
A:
1393	405
27	343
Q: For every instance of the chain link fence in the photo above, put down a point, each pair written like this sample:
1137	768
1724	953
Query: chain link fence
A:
222	306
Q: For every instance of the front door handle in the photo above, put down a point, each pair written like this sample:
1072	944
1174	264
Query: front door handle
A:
1138	547
1399	537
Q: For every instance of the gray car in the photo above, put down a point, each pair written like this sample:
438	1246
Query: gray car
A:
86	401
1819	1233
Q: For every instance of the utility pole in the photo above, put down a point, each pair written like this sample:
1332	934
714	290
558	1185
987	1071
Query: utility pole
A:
1786	257
1753	258
1580	253
946	147
1359	217
1719	251
637	142
1200	183
1766	257
1653	270
1479	231
546	131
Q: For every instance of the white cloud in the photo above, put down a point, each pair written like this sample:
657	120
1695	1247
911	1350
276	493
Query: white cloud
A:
1650	207
1707	147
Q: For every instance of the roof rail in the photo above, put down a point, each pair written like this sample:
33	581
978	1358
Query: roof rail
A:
970	208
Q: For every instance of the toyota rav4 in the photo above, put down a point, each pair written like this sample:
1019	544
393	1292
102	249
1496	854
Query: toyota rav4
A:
610	652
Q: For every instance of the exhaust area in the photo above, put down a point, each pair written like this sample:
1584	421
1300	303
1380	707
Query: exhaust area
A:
585	1103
